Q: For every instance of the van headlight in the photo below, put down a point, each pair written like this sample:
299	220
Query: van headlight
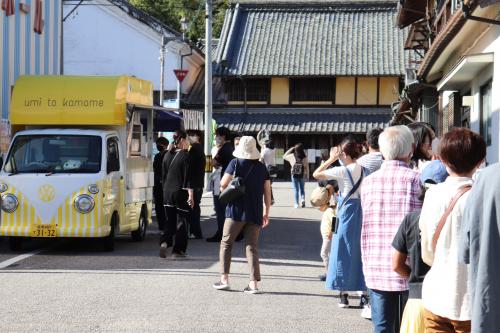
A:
9	203
84	203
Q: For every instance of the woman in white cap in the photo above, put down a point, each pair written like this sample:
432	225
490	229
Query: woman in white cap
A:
248	213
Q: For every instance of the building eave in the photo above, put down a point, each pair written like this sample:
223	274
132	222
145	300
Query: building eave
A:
456	23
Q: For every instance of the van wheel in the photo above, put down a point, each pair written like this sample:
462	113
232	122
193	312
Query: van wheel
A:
108	242
15	243
140	234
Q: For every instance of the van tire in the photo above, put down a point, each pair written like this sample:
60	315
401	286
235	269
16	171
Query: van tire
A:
15	243
108	242
140	234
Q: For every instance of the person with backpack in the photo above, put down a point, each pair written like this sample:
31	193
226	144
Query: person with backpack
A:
345	272
297	158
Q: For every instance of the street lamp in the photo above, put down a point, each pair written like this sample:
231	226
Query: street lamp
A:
164	41
184	26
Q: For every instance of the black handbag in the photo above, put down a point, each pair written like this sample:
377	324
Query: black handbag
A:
236	188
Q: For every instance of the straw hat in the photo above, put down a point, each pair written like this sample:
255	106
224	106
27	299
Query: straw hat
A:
320	197
247	149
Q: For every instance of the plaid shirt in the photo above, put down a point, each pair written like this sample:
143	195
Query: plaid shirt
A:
387	196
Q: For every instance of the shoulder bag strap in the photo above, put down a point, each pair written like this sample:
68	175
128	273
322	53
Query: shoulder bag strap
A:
353	189
248	173
442	221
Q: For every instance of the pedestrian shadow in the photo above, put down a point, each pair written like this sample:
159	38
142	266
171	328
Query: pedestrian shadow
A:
291	293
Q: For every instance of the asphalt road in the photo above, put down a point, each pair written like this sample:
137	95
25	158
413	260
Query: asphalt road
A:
71	286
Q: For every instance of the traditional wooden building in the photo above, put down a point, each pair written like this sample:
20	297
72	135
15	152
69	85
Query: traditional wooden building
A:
308	71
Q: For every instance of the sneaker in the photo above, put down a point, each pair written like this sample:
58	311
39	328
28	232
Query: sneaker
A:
363	301
193	236
367	312
303	204
295	206
179	255
344	300
165	251
221	286
322	277
251	291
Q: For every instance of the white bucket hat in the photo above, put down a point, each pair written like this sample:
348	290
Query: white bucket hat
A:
247	149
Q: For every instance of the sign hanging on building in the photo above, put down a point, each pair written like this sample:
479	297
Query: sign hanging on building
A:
8	6
180	74
38	28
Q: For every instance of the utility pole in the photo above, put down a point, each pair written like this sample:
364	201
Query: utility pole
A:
208	88
162	68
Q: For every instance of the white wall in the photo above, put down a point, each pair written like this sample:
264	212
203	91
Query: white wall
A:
104	40
488	42
491	43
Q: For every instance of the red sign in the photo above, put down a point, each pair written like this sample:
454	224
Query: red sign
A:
8	6
38	28
180	74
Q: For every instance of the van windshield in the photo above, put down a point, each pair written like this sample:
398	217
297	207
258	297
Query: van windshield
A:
54	154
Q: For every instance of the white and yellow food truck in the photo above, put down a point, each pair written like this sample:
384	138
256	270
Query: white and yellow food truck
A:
79	164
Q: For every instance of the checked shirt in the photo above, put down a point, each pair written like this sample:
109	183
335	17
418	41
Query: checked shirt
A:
387	196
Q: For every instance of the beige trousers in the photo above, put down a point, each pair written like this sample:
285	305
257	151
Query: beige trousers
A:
251	231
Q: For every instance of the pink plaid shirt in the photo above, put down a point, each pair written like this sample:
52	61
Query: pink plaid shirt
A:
387	196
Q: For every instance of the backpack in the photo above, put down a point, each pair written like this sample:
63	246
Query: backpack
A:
297	169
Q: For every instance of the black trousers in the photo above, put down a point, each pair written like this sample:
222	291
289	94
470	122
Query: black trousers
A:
176	229
161	218
194	220
220	211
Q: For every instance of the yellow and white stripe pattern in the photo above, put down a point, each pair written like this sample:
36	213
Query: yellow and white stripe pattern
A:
69	222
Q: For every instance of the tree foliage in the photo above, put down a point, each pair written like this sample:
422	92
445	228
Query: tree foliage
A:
171	12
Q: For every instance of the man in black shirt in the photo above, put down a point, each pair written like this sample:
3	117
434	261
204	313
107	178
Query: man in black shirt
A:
196	168
161	145
222	159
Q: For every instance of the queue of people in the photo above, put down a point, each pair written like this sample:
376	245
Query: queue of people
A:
404	226
417	227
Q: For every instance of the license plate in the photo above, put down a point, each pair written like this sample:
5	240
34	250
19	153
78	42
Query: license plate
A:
43	230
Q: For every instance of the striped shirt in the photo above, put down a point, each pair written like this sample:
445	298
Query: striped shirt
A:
371	161
386	197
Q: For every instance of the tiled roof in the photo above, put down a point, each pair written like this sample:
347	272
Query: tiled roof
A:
332	38
307	2
288	120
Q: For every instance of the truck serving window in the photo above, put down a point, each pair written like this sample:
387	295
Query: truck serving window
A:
55	154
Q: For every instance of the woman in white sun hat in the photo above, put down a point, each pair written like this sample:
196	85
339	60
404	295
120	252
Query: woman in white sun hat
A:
249	213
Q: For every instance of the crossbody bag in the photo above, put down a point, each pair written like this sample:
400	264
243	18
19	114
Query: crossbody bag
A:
461	191
236	188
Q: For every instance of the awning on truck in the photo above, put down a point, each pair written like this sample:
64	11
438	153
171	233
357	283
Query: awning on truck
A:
77	100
